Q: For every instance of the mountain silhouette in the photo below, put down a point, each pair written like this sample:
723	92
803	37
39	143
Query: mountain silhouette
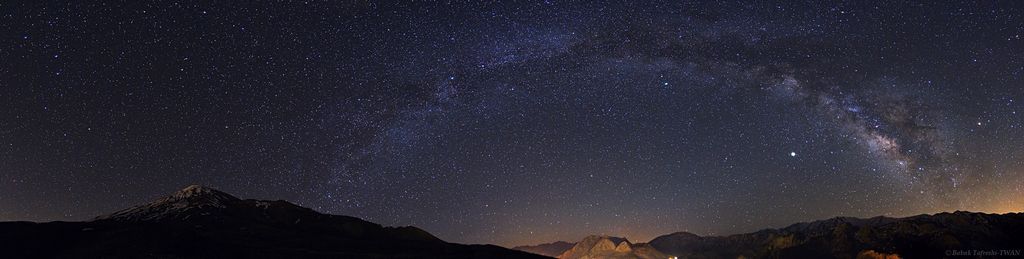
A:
200	222
924	236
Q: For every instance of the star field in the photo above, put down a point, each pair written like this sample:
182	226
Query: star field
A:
517	122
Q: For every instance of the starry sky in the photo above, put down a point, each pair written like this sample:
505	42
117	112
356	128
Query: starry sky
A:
517	122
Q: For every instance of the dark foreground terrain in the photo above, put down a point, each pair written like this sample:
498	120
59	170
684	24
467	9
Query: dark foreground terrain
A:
200	222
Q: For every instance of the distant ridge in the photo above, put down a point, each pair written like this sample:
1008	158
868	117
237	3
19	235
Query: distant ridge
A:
921	236
547	249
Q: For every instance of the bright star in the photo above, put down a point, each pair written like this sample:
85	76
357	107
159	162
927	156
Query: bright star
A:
792	153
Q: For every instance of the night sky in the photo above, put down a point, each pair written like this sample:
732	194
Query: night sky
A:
517	123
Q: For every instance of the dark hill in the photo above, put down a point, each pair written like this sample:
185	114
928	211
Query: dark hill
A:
200	222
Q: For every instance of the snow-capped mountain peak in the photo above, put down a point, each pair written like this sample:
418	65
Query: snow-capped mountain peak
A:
202	195
194	199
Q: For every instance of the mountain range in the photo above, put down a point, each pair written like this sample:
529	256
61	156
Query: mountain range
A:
941	235
200	222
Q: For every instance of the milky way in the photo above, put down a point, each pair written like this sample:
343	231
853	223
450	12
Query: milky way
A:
517	123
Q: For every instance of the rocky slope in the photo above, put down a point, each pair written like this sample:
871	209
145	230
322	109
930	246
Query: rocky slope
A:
200	222
593	247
